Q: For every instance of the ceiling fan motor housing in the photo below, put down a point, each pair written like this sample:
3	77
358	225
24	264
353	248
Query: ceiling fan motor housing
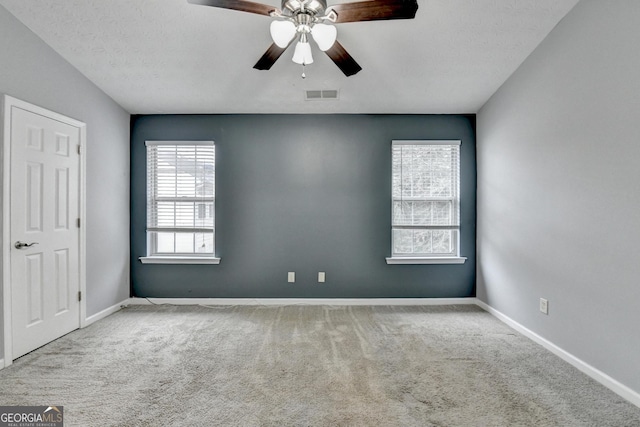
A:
310	7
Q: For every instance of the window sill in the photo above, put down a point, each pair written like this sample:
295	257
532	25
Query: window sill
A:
419	260
178	260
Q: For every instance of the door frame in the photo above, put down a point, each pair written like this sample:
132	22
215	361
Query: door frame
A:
8	103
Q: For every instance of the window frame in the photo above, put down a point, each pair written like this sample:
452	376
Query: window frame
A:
153	255
428	258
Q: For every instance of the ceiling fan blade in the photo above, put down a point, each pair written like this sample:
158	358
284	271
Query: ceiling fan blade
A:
374	10
241	5
270	57
343	60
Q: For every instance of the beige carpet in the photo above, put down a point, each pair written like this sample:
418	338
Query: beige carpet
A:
308	366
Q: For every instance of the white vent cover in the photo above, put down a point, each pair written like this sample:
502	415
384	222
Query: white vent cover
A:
317	95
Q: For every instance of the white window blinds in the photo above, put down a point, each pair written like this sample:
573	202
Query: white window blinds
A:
426	198
180	197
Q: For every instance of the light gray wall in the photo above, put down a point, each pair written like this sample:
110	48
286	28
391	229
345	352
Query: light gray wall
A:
30	70
558	200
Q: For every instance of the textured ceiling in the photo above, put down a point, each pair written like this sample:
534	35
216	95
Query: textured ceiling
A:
168	56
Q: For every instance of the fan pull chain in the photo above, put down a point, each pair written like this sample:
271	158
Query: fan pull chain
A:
304	76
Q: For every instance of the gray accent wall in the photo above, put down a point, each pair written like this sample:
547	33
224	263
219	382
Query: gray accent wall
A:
31	71
302	193
558	196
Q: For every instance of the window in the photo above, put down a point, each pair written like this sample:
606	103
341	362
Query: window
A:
425	202
180	201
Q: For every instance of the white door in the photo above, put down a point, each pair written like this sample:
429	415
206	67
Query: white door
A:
45	238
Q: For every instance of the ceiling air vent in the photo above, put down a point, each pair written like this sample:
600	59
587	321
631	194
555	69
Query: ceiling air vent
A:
317	95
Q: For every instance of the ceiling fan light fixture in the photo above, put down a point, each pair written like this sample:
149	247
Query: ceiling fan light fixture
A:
302	54
324	35
309	16
282	32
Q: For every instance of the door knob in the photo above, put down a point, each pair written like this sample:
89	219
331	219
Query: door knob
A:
22	245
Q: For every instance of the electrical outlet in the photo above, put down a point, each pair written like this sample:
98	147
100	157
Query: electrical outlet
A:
544	306
321	277
291	277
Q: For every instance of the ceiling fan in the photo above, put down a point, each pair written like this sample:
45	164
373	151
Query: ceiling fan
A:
299	19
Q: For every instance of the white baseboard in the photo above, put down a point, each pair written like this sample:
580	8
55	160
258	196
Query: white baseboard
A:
104	313
604	379
302	301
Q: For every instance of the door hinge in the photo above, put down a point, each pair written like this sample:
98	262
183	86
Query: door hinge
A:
79	296
78	222
79	149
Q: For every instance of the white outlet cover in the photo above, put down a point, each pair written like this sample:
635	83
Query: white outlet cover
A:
321	277
544	306
291	277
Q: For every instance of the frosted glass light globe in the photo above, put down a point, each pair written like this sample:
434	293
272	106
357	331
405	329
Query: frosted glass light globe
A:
282	32
302	54
324	35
